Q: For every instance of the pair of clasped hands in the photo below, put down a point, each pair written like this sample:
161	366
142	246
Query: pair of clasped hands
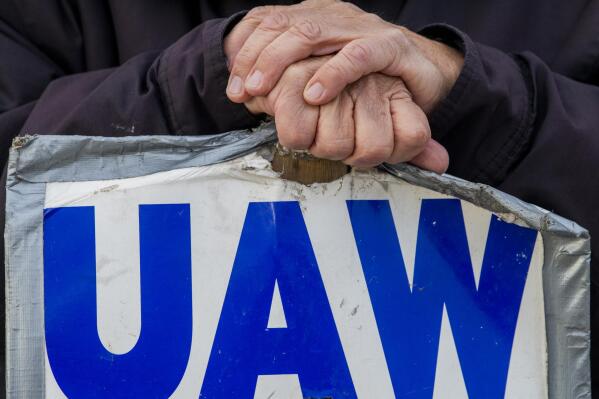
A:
342	83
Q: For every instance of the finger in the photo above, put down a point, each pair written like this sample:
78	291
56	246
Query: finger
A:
356	59
268	30
238	36
434	157
300	41
335	132
296	123
373	131
259	105
295	120
411	130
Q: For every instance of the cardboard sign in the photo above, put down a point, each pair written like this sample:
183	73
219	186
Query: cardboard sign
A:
224	281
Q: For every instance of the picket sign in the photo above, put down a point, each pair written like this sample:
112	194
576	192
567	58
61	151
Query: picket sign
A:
226	281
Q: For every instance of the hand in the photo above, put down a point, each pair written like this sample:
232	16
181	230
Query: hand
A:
372	121
275	37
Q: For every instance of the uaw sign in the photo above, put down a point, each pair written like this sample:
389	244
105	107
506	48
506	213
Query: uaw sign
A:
156	268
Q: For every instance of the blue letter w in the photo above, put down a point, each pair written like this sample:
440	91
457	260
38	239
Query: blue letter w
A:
483	320
81	365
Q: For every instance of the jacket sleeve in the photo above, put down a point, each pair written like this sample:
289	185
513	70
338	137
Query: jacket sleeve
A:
180	90
513	123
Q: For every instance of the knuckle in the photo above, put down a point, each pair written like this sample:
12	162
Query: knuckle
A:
333	149
337	69
319	3
294	127
307	30
259	12
295	140
345	6
275	21
253	14
398	38
370	156
296	72
243	60
285	139
416	137
357	52
370	18
401	92
247	21
369	87
268	57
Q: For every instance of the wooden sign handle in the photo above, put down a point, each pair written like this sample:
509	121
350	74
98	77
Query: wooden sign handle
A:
302	167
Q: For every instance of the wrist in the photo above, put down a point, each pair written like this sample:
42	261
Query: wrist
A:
447	60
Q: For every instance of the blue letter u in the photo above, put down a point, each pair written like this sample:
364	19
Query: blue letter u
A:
81	365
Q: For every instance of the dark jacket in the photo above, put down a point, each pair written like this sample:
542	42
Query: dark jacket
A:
523	115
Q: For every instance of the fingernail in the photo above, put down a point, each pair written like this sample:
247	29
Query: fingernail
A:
254	80
235	85
314	91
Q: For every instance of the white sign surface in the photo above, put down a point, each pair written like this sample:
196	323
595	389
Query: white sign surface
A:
227	282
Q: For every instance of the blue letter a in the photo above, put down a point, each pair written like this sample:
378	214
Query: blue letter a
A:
275	247
81	365
483	320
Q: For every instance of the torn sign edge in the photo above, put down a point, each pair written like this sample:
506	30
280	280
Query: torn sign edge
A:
37	160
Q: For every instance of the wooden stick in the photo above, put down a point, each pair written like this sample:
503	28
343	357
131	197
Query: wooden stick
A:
302	167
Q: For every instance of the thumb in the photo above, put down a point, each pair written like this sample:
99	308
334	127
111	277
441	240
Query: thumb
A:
434	157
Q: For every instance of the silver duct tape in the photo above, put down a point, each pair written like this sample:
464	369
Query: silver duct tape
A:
37	160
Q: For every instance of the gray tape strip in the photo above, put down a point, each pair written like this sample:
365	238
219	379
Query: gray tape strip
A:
76	158
35	161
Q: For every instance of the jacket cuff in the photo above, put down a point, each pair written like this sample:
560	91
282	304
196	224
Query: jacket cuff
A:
485	121
193	75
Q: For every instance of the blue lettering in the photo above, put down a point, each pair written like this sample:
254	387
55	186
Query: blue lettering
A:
275	246
483	321
81	365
